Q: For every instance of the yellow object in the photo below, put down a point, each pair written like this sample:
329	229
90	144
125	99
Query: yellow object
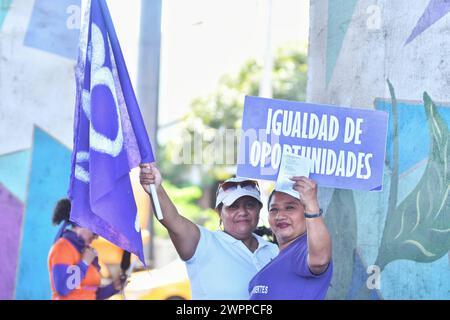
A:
174	291
109	253
169	282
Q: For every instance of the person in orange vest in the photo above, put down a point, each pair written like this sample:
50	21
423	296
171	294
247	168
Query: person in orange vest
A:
73	265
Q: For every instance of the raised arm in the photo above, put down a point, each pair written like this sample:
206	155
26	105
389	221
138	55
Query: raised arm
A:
183	233
319	241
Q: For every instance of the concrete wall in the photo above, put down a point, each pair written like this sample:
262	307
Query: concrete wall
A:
404	231
38	48
38	51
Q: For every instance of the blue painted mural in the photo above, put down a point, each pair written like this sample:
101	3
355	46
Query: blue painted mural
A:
14	169
36	38
405	229
31	180
49	178
417	228
54	27
4	8
392	244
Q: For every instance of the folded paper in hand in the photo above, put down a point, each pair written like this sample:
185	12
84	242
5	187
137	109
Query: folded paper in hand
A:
292	165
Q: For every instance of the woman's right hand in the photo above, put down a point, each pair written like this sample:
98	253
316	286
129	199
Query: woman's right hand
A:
148	175
89	255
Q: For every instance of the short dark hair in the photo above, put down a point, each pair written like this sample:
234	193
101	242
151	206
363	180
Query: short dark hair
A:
61	211
270	197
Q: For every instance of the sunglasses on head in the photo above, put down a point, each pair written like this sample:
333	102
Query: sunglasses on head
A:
228	186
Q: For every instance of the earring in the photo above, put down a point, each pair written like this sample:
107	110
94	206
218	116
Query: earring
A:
220	225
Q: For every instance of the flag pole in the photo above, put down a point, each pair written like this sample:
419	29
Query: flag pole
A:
156	204
151	189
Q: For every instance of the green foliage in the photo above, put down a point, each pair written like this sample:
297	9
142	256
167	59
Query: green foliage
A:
185	199
290	75
210	116
177	174
224	107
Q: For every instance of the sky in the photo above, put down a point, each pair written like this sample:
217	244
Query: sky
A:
202	40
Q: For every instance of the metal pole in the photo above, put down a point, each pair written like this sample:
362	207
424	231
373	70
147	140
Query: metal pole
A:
148	83
265	86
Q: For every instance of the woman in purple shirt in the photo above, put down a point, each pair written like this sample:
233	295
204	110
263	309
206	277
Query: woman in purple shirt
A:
303	268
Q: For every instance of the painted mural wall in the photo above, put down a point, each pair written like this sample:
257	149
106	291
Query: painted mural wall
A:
391	56
38	48
38	51
355	46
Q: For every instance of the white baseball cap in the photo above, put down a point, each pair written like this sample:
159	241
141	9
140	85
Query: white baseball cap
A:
288	189
234	188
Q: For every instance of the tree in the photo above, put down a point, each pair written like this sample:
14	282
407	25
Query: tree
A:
212	116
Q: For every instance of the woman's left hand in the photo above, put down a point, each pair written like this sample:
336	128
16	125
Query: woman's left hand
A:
307	189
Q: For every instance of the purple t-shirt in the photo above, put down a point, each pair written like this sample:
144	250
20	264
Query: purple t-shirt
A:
287	277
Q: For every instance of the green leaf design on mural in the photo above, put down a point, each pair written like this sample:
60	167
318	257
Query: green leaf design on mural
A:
340	218
419	228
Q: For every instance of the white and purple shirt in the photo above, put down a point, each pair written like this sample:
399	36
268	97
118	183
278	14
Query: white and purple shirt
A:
288	277
222	265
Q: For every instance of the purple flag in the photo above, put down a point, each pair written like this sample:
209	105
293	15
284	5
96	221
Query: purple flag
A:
109	136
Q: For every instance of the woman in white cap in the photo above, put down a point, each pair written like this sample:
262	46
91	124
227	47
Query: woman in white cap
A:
221	263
